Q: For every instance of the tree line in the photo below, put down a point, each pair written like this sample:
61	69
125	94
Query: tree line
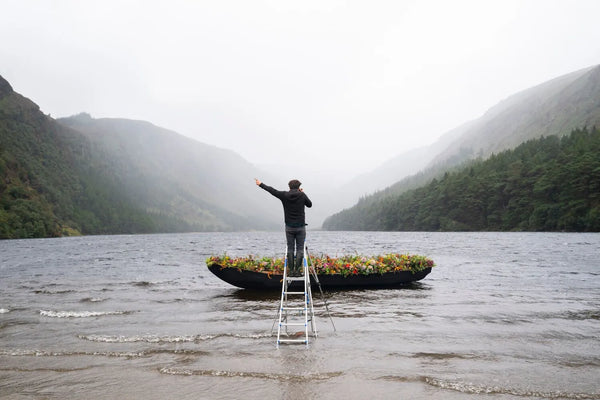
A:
546	184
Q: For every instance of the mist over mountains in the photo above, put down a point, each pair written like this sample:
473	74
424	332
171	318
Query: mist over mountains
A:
111	175
555	107
545	184
552	108
95	176
170	173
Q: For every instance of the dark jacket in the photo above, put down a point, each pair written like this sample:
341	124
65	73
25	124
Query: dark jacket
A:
293	205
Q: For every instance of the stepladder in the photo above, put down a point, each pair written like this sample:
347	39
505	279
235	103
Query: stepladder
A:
296	311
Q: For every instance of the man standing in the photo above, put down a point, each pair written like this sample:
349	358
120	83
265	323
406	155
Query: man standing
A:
295	226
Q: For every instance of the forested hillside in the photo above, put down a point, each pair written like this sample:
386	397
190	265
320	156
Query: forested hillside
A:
46	188
114	176
548	184
555	107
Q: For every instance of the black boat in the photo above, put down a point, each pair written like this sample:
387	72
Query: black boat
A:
269	281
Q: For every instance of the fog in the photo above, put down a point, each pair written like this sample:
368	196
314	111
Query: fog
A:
316	90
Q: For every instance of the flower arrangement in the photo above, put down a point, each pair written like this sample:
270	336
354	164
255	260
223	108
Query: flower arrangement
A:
326	265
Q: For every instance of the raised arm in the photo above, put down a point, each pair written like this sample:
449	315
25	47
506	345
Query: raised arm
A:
269	189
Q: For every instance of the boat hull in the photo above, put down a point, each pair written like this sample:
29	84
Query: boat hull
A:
262	281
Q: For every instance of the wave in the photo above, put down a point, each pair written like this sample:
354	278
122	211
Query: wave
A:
167	338
46	291
92	300
142	284
41	353
469	388
59	370
117	354
250	374
146	338
80	314
444	356
583	315
249	335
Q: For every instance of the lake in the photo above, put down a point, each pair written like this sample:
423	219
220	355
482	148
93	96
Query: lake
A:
501	316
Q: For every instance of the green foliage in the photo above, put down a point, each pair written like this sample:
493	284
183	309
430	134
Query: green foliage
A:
52	182
325	265
86	176
549	184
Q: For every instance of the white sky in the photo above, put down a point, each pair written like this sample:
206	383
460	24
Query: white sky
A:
346	84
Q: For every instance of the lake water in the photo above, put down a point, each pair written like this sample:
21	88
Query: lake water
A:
501	316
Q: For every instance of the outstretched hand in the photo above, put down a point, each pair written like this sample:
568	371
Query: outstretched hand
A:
257	182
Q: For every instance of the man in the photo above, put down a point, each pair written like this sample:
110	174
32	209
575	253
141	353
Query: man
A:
295	227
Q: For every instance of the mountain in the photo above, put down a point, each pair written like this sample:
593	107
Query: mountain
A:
170	173
552	108
546	184
395	169
37	177
105	176
555	107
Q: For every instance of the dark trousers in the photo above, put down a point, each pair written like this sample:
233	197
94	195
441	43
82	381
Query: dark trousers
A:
295	240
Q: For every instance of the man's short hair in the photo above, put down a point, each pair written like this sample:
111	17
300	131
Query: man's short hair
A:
294	184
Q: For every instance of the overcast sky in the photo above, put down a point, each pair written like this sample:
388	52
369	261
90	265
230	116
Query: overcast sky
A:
337	83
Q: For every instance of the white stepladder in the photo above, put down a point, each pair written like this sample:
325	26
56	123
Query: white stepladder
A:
296	306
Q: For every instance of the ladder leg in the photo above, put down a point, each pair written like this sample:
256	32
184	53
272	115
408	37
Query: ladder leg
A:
310	308
306	300
313	271
282	302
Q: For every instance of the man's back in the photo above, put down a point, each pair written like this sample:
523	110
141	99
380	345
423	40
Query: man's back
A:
293	202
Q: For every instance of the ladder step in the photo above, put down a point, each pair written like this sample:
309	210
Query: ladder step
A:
296	312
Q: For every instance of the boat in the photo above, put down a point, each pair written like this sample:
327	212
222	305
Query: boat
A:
263	281
351	272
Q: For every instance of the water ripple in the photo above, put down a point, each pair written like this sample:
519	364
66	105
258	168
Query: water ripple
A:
470	388
81	314
250	374
168	338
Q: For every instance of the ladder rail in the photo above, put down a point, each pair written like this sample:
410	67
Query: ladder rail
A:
313	321
314	274
306	299
283	290
286	310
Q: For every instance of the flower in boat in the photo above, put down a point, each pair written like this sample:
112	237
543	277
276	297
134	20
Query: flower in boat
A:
324	264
